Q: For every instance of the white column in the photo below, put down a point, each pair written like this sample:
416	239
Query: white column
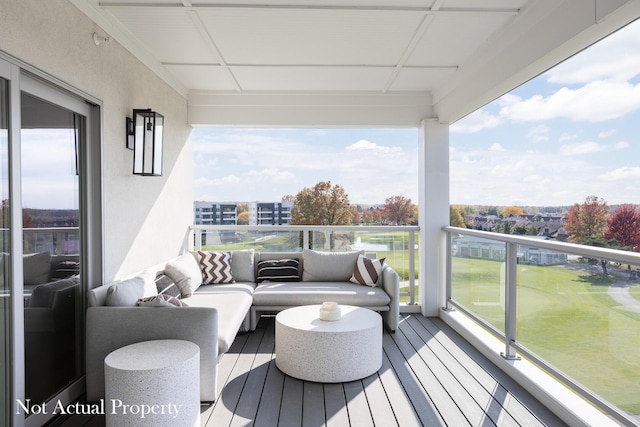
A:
433	202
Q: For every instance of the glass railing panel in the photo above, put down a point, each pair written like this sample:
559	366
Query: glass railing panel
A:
260	240
582	316
478	277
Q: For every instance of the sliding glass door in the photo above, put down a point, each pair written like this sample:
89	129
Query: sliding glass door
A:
50	244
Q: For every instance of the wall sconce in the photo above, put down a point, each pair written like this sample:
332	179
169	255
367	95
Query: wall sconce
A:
144	137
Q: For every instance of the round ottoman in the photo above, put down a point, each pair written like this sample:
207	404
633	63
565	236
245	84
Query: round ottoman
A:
328	351
153	383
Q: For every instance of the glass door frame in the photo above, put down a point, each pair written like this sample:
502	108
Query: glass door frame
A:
23	78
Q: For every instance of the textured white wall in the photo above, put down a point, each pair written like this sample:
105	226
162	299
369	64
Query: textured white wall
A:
145	218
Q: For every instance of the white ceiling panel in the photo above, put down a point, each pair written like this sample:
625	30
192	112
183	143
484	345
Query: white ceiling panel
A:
310	37
168	33
420	79
208	77
312	78
453	39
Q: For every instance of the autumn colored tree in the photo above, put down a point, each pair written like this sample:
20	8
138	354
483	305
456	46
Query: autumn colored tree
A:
587	220
624	226
243	218
397	210
514	211
455	217
323	204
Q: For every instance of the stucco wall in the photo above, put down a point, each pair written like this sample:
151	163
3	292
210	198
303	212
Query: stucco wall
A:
145	218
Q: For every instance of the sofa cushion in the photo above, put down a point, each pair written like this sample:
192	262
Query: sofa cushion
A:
328	266
185	272
367	271
42	295
244	287
242	268
37	268
232	309
216	267
161	300
282	270
304	293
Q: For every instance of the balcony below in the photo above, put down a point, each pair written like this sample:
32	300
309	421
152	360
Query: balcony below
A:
430	376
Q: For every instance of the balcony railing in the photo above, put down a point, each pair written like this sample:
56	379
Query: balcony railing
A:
57	240
573	310
397	244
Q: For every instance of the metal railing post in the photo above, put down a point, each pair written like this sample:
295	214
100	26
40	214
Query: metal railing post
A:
511	299
449	260
412	268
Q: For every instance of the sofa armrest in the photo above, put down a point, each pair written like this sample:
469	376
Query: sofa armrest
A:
391	285
110	328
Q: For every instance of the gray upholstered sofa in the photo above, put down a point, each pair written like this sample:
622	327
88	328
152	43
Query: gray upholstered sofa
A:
215	313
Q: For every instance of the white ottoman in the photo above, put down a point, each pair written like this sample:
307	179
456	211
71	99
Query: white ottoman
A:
328	351
153	383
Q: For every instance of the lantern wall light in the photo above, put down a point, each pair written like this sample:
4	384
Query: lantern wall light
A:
144	137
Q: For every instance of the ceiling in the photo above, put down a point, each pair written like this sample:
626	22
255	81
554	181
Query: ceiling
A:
395	60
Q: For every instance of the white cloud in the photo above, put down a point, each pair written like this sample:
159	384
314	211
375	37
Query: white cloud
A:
606	134
580	148
616	57
538	133
363	144
623	173
596	101
475	122
496	147
567	137
621	145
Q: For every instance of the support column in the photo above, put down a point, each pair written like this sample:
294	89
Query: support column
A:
433	202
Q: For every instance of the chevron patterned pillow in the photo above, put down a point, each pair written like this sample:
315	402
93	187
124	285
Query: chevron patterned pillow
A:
216	267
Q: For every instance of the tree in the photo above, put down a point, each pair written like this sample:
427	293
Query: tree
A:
398	210
243	218
514	211
587	220
624	226
455	217
323	204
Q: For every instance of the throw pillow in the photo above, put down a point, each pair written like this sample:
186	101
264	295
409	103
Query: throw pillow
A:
186	274
242	265
161	300
279	270
328	266
166	286
216	267
126	293
367	271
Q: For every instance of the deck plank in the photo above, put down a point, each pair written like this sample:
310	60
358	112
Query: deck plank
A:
430	376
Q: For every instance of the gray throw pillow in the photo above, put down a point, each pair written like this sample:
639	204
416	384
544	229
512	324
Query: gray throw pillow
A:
185	272
126	293
37	268
242	265
328	266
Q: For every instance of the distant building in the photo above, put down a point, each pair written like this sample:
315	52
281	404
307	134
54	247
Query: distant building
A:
264	213
475	247
546	225
214	213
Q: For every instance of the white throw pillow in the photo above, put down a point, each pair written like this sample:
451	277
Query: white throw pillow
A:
126	293
328	266
185	273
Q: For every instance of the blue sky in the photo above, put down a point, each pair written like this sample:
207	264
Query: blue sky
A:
572	132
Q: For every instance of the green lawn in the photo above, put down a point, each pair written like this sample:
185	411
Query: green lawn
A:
566	317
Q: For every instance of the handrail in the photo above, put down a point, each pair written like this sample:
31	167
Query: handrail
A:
512	346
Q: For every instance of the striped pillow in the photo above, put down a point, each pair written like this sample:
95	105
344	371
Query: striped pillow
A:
279	270
216	267
367	271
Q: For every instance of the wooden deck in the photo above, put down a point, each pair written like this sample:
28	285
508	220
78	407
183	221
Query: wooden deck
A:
430	376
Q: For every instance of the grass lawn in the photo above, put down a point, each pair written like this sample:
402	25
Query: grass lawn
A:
567	318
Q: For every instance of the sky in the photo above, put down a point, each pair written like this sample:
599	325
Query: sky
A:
572	132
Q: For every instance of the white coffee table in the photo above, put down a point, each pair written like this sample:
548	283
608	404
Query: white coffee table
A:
328	351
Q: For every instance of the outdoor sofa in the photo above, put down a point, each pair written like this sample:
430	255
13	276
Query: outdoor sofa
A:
208	297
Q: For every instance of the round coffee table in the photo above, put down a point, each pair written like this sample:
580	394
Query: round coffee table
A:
328	351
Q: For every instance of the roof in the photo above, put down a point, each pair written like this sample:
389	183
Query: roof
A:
350	62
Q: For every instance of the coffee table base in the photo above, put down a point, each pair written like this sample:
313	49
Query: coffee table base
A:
328	351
